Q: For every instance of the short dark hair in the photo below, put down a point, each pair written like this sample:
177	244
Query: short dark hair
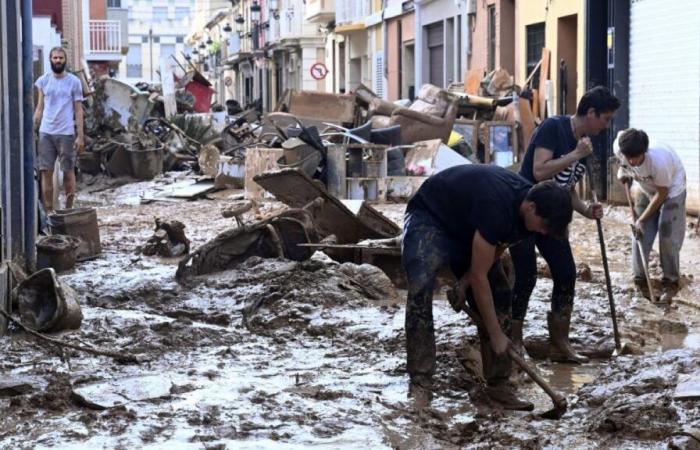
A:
633	142
59	49
553	204
600	99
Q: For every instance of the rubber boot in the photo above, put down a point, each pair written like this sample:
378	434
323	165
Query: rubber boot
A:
560	349
516	336
420	388
496	371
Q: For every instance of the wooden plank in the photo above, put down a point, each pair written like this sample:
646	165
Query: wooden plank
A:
257	161
472	81
544	76
193	190
527	122
535	103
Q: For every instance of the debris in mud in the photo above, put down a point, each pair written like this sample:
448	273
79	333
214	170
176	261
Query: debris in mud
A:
46	303
108	394
688	388
275	237
168	239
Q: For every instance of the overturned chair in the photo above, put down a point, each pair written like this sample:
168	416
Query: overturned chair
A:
430	116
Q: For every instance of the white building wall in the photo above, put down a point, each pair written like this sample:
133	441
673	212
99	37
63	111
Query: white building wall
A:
664	79
432	11
168	31
45	36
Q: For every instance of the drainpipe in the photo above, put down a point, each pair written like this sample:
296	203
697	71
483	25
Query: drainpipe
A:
28	130
418	63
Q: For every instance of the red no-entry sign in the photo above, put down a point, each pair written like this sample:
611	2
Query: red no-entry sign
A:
319	71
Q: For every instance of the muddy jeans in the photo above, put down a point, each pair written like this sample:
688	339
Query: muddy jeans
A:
561	264
669	223
425	250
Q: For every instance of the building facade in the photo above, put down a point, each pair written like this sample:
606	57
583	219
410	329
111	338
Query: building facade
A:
157	28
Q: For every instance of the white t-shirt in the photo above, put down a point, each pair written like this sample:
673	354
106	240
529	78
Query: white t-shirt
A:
661	167
60	95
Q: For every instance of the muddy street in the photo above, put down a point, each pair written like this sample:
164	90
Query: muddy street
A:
283	354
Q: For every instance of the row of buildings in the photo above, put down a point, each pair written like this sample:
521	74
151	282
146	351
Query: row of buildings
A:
646	51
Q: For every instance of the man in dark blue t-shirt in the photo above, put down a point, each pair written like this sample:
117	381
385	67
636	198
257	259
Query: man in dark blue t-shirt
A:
555	152
465	217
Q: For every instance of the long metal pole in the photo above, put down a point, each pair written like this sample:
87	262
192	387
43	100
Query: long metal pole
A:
30	205
150	51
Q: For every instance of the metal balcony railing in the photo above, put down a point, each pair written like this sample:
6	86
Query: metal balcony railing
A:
105	36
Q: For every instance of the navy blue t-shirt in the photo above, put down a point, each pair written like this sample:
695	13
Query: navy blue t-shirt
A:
467	198
554	134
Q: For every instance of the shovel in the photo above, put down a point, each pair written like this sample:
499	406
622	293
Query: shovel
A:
638	242
559	400
608	284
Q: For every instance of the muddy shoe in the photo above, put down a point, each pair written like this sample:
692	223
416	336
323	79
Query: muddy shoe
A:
560	349
669	291
420	388
504	395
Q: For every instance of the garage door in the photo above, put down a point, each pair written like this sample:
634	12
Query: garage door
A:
664	91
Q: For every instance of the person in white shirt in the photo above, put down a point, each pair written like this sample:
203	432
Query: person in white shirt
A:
659	193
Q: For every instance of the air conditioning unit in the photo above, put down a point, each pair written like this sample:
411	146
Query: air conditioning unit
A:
471	6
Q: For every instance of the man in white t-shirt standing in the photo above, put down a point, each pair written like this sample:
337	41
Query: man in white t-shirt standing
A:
59	117
659	202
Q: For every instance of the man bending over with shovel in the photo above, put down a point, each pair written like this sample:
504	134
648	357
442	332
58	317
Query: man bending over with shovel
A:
659	205
464	217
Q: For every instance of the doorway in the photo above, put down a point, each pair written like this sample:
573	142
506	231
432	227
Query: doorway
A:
567	30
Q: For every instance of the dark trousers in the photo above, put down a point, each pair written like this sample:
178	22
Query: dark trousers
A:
425	250
561	264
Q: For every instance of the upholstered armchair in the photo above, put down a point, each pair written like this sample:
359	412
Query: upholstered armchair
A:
430	116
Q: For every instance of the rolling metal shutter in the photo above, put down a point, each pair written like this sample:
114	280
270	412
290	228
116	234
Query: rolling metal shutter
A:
665	79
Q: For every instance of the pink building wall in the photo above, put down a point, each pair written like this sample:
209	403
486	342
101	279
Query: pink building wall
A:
394	45
505	35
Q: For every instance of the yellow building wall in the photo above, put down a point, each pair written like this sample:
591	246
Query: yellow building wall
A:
530	12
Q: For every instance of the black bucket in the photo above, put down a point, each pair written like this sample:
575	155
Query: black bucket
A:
56	251
82	224
46	304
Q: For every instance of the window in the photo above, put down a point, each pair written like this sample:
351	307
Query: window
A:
179	39
144	39
182	13
160	13
492	37
535	43
167	50
134	67
156	39
114	3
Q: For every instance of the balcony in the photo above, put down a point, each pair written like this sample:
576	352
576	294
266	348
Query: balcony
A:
350	15
104	40
319	11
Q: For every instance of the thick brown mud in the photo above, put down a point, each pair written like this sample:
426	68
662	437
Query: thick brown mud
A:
281	354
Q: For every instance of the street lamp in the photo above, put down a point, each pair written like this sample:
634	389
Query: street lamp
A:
227	28
202	45
255	12
240	24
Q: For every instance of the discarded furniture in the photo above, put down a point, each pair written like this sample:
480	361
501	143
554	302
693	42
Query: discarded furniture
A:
500	141
296	189
275	237
314	107
129	105
259	160
357	171
469	130
430	116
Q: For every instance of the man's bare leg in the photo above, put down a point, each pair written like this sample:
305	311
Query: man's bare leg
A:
69	186
47	190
